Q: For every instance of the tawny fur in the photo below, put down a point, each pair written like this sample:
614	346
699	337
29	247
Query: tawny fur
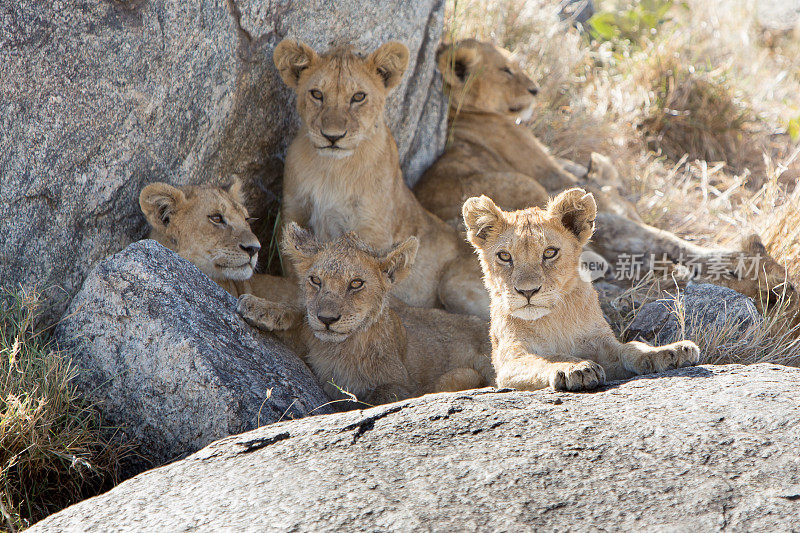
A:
350	181
547	328
184	220
377	350
491	153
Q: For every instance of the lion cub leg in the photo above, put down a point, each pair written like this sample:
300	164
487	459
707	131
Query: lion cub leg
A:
527	371
640	358
461	289
266	315
459	379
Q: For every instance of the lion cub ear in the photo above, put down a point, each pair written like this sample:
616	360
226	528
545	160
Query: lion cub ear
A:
456	62
398	262
481	216
576	209
390	60
300	245
291	59
236	190
159	201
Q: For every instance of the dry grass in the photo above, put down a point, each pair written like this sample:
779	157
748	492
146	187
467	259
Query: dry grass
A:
697	111
53	451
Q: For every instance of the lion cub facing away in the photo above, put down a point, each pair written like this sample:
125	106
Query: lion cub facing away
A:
357	341
546	324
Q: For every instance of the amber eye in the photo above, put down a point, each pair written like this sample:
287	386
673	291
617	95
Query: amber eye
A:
550	253
504	256
316	94
356	284
358	97
216	218
315	281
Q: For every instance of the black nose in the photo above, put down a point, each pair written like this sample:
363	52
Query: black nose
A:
534	91
328	320
333	138
251	250
528	293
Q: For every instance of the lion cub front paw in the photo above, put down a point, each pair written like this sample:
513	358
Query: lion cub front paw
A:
585	375
262	314
676	355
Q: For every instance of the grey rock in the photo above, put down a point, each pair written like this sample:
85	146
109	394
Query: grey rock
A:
696	449
706	307
99	98
577	11
162	350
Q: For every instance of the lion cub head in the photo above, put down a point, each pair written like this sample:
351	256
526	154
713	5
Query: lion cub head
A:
207	226
482	77
340	94
345	282
530	257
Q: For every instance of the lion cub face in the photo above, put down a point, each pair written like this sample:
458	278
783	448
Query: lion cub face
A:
345	282
207	226
340	95
483	77
530	257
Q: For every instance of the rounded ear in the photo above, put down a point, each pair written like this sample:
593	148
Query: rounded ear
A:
456	63
752	244
576	210
390	60
481	216
236	190
291	59
159	201
299	244
398	262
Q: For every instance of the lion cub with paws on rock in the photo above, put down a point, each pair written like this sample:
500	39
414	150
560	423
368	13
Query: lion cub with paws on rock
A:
360	343
546	324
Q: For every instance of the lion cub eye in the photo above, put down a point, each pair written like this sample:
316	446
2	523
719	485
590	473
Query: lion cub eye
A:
504	256
216	218
315	281
356	284
507	71
358	97
550	253
316	94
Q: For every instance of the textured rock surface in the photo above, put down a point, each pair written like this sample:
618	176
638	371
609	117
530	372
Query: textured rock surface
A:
706	307
100	97
699	449
161	348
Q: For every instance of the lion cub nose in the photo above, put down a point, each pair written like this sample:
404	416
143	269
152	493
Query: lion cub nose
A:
529	292
332	138
328	320
251	250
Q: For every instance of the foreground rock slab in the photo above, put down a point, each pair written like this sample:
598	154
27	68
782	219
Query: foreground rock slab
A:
698	449
160	348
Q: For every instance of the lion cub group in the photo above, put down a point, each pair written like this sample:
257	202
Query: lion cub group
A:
380	290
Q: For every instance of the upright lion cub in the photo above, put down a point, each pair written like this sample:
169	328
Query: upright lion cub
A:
342	171
356	340
546	324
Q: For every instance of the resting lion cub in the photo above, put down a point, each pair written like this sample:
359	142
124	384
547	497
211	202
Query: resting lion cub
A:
342	172
491	153
547	327
356	340
208	226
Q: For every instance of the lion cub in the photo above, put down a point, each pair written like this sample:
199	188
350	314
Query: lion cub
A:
546	324
358	342
208	226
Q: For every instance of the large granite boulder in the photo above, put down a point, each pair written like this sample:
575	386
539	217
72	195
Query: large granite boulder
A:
700	309
160	348
100	97
695	449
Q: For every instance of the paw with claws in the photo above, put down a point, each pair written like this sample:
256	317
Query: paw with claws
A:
584	375
266	315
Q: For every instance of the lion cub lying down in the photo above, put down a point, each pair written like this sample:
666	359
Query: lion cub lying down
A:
355	341
546	323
